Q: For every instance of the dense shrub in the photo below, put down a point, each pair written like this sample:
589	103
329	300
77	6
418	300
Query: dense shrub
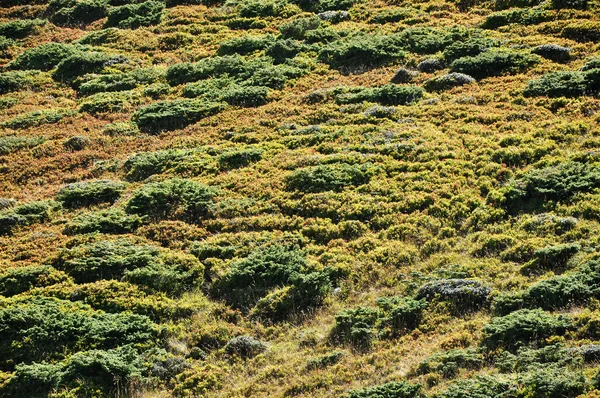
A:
40	328
20	28
44	57
251	278
247	96
107	102
37	118
110	221
233	65
524	16
522	327
13	143
254	8
400	314
448	363
23	215
234	159
470	47
148	266
78	13
557	183
145	164
110	372
86	193
553	258
565	84
173	115
586	31
132	16
362	52
297	28
325	361
156	91
504	4
553	52
21	279
394	389
430	65
334	16
480	386
324	5
355	327
244	45
389	94
404	75
79	64
493	63
464	294
425	40
282	49
592	63
575	4
120	129
446	82
245	347
12	81
173	199
119	82
330	177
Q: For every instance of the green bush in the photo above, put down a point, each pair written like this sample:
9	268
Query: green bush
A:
493	63
20	28
523	16
565	84
119	82
523	327
470	47
110	221
464	294
235	159
23	215
37	118
504	4
448	363
254	8
394	389
574	4
173	115
158	90
282	49
389	94
247	96
41	328
44	57
110	372
132	16
244	45
424	40
252	277
400	314
325	5
173	199
87	193
22	279
145	164
12	81
120	129
446	82
78	13
160	270
329	177
325	361
584	32
557	183
362	52
553	52
355	327
107	102
14	143
553	258
79	64
244	347
233	65
297	28
480	387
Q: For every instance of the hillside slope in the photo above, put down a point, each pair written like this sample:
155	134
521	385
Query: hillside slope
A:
299	198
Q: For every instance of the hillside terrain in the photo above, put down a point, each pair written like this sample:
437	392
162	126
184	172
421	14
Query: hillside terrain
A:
300	198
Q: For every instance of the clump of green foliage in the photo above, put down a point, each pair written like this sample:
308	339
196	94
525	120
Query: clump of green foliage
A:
87	193
132	16
493	63
329	177
172	115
